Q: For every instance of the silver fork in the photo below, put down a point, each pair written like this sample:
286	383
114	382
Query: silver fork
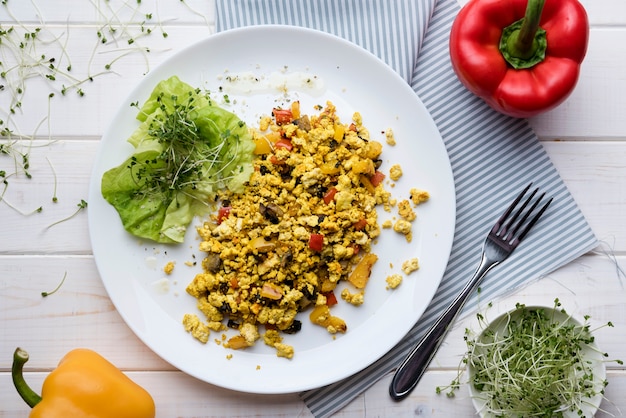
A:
503	238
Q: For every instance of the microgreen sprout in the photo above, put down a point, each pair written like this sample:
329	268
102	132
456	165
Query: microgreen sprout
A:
535	363
194	11
186	157
55	199
82	205
45	294
38	51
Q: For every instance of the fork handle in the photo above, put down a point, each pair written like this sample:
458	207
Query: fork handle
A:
409	373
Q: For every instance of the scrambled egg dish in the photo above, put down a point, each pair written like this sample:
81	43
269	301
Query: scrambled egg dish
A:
305	223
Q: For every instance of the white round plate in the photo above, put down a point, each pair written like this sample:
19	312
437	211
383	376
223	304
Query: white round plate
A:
249	71
590	352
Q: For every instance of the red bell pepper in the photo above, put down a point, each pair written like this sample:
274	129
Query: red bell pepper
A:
282	116
377	178
316	242
522	57
360	224
331	299
329	196
223	213
284	143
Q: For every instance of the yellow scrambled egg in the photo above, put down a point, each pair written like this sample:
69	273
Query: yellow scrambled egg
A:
306	219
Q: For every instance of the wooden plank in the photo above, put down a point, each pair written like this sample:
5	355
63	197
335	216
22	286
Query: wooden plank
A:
80	314
81	102
177	394
112	12
594	109
600	13
594	172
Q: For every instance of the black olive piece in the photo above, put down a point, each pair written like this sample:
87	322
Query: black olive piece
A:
232	324
225	308
310	295
224	287
295	327
285	173
263	170
377	163
225	203
319	190
333	144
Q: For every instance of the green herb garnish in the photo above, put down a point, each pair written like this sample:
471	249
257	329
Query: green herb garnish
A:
533	362
186	150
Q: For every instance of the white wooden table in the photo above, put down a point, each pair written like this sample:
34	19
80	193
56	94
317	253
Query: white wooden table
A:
585	137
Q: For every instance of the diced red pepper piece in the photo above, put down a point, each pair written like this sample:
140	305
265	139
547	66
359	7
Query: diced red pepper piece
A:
360	224
282	116
329	196
331	299
276	161
223	213
377	178
234	283
284	143
316	242
356	248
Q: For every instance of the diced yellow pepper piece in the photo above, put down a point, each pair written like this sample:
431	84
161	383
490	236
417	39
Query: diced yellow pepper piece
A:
295	109
340	130
361	273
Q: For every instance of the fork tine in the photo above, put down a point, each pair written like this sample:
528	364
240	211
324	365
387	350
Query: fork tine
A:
509	233
534	219
507	229
498	225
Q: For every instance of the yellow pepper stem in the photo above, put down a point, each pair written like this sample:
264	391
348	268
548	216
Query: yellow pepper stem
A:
20	357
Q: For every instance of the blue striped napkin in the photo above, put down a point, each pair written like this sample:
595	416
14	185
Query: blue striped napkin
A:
493	156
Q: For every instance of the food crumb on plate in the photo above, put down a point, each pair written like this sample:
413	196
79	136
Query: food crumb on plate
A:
390	137
355	299
393	281
395	172
405	211
404	227
419	196
169	267
199	330
409	266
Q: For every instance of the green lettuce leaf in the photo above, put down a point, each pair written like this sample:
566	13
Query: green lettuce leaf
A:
186	149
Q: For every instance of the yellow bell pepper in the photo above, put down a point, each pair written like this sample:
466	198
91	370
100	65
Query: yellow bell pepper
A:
84	384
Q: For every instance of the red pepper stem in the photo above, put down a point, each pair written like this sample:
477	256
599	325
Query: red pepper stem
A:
526	37
20	357
523	43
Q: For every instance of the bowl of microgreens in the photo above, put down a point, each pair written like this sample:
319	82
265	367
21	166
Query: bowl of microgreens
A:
535	361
